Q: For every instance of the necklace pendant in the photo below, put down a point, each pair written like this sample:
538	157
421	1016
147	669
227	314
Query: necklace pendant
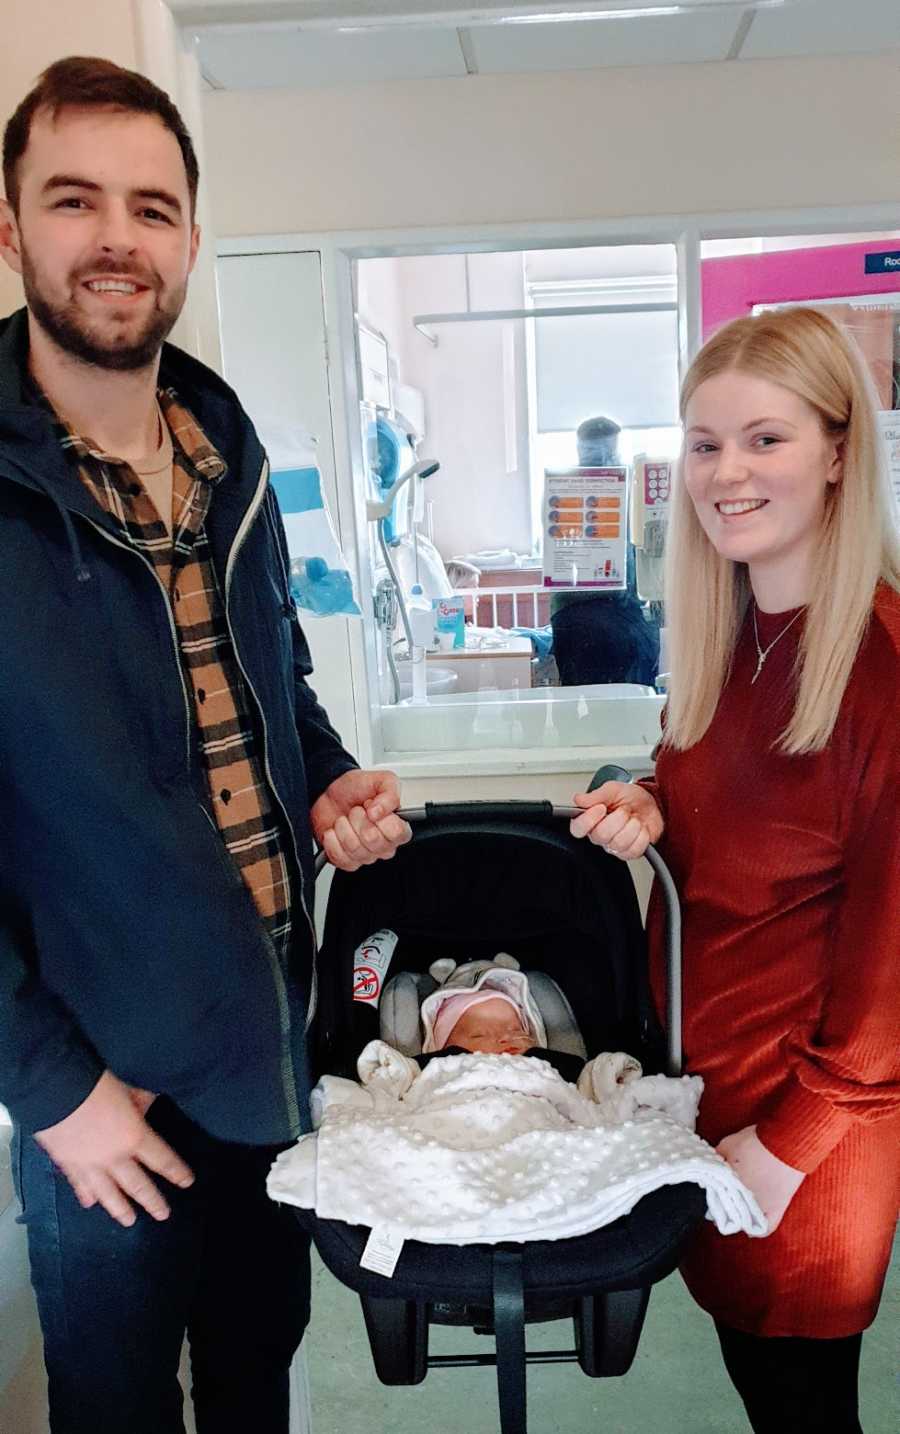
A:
763	652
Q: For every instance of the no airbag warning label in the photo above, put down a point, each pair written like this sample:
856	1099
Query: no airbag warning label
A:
370	963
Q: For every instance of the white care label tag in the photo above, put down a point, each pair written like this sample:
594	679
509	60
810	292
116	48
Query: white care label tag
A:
370	962
382	1252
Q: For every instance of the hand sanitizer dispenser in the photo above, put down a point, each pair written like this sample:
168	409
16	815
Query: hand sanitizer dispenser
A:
421	624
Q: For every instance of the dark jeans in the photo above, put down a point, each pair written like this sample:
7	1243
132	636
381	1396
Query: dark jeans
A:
795	1386
229	1267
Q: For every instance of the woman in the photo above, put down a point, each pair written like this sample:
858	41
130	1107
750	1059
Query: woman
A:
777	788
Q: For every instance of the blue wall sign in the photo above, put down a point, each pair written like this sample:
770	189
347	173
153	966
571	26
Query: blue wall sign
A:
888	262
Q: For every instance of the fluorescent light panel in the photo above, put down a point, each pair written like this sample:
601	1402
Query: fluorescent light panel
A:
567	17
469	19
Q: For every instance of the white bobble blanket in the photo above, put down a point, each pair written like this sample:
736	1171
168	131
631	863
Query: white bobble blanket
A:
481	1148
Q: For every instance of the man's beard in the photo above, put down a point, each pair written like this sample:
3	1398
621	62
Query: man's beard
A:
76	334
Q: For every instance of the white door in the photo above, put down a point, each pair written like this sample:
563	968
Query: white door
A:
274	355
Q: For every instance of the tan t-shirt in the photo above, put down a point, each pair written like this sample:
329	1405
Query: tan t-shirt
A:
155	473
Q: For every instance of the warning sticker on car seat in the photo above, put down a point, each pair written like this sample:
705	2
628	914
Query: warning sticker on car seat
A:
370	963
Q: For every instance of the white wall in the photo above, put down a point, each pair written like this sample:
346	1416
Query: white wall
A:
380	304
485	149
474	385
140	35
626	261
727	248
37	32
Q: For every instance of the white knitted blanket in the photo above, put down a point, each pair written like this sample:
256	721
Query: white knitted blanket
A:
482	1148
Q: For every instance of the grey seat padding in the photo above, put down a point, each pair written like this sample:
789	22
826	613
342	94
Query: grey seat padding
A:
403	995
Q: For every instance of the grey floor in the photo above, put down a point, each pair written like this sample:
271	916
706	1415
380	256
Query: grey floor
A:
675	1386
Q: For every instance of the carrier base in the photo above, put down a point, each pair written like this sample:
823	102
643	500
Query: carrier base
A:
600	1281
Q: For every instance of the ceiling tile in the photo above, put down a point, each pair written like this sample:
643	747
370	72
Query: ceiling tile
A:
250	58
824	27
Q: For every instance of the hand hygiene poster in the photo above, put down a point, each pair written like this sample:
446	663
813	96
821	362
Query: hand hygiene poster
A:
585	523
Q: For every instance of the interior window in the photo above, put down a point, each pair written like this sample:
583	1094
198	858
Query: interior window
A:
519	415
481	375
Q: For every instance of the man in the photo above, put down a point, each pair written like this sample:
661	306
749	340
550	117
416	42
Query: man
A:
164	767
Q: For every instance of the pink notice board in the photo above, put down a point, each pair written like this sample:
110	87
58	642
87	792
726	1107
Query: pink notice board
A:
731	287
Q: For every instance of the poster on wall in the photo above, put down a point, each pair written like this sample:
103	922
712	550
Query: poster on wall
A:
585	525
889	422
872	321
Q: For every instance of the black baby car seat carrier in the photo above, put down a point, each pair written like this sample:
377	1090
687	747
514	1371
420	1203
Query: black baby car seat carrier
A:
478	878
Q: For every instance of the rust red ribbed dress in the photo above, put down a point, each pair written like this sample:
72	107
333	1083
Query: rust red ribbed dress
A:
789	874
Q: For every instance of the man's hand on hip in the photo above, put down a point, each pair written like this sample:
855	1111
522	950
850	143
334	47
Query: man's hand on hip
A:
105	1149
355	822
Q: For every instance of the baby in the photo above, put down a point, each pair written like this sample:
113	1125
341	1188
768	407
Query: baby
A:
495	1014
480	1021
442	1147
481	1006
486	1008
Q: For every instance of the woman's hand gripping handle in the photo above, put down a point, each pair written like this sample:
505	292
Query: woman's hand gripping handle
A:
620	817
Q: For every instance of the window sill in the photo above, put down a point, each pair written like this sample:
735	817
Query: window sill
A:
526	761
569	731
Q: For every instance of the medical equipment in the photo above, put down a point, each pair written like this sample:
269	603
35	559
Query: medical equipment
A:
651	491
390	452
380	511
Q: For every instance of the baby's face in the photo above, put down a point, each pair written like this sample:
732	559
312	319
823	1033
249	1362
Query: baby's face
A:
492	1027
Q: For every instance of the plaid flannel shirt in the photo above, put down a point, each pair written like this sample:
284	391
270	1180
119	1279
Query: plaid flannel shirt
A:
242	802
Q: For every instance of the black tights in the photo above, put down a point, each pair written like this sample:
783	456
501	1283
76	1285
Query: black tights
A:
795	1386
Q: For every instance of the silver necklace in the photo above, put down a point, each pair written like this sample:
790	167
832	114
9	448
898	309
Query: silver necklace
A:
762	653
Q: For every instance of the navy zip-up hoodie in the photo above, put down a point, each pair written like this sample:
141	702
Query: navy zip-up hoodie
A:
128	940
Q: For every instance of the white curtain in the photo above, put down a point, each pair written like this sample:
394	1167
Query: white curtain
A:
624	366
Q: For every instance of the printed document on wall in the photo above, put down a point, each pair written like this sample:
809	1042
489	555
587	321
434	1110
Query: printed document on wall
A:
585	527
889	422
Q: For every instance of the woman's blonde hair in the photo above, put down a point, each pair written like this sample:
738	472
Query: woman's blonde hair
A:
707	595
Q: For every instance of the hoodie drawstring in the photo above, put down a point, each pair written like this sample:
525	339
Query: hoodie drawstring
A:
82	571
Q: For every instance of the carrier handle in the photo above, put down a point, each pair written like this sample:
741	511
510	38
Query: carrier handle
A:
674	1050
531	811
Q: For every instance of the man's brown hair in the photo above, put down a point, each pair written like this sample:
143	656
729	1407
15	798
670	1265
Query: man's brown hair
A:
80	80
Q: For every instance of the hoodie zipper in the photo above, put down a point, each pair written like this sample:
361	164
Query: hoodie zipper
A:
236	546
